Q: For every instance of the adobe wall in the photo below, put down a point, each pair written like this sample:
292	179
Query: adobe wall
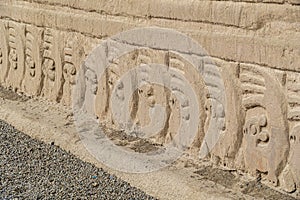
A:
255	43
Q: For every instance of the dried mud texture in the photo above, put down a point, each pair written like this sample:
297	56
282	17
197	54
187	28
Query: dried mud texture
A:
253	44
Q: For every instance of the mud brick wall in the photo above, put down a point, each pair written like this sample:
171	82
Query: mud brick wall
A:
43	44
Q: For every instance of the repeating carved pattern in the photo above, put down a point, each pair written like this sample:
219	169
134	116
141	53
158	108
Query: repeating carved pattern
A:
3	52
91	88
147	96
16	34
290	177
293	96
33	78
38	61
13	57
73	55
49	62
30	64
294	158
227	147
253	88
52	65
265	142
215	119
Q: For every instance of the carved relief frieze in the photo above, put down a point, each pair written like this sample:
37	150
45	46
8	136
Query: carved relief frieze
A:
73	55
4	67
16	56
265	132
52	65
33	78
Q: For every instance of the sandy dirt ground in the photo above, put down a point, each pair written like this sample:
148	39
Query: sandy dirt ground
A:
187	178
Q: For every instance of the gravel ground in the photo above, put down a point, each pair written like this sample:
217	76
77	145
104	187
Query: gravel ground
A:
30	169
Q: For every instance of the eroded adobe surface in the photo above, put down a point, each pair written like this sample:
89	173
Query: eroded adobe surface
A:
255	45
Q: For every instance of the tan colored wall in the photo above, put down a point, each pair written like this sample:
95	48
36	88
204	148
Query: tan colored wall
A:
43	43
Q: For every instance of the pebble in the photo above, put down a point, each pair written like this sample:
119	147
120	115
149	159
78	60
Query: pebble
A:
31	169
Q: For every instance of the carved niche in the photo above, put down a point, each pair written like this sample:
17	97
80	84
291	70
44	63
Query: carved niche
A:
33	78
16	56
265	144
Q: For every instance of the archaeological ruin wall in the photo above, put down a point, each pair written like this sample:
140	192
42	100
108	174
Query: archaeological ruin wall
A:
254	43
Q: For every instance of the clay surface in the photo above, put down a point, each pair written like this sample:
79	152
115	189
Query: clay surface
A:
33	76
185	179
3	53
16	56
254	45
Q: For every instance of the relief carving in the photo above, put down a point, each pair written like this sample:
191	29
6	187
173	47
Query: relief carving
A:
109	81
89	84
13	57
293	97
33	78
91	89
73	55
215	121
294	159
16	55
196	83
265	143
87	91
228	145
52	65
290	179
4	67
256	137
160	99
